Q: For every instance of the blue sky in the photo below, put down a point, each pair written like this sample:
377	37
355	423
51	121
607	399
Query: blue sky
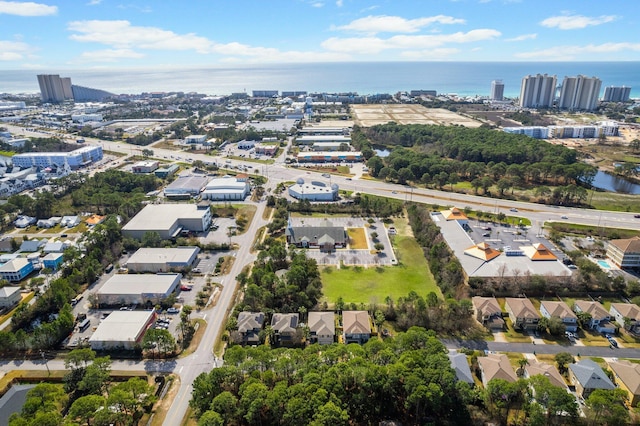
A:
79	34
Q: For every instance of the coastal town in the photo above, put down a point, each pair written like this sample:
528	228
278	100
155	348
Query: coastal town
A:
283	257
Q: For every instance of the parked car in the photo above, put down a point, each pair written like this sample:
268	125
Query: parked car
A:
486	234
185	288
173	310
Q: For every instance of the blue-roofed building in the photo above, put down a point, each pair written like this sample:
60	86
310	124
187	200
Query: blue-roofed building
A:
52	260
16	270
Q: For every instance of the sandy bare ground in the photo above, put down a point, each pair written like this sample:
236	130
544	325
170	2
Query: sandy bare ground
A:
371	115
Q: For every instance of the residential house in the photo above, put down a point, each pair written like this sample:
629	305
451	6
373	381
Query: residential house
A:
249	326
16	270
627	315
70	221
32	246
460	365
488	313
285	327
9	296
600	318
57	247
522	313
496	366
625	253
53	261
587	376
322	327
543	369
356	326
554	309
627	377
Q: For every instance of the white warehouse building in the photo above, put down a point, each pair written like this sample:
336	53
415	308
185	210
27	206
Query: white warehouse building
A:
162	259
137	289
313	191
168	220
122	330
226	188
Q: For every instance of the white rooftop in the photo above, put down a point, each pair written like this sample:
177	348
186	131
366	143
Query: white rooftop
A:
162	216
121	326
164	255
135	284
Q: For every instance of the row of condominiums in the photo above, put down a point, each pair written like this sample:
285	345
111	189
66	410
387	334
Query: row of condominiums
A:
575	93
56	89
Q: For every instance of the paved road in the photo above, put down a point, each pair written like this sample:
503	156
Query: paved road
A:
598	351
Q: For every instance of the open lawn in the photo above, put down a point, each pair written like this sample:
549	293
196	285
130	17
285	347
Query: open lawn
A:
360	285
357	239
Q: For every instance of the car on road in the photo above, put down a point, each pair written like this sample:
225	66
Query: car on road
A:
513	210
326	175
349	179
564	217
637	216
394	192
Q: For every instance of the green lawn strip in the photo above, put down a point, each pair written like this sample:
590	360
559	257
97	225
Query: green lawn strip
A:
364	285
513	336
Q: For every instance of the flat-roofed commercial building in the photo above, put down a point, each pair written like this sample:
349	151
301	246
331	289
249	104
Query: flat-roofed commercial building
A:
75	159
145	166
311	139
162	259
226	188
186	186
168	220
329	157
122	330
137	289
314	190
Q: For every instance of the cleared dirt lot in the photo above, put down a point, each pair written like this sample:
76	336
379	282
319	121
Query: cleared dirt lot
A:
371	115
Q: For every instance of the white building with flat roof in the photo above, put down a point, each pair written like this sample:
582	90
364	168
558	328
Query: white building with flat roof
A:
168	220
162	259
80	157
137	289
226	188
122	330
186	186
313	190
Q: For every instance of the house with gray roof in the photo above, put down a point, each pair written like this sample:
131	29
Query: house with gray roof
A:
249	326
9	296
460	365
285	327
322	327
587	376
327	238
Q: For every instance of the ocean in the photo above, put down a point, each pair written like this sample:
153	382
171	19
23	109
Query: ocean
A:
365	78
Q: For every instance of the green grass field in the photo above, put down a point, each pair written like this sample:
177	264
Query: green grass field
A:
365	285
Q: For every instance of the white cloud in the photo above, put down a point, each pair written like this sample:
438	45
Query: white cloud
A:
523	37
575	22
317	4
123	38
94	2
123	35
395	24
109	55
374	45
563	53
14	50
339	3
26	8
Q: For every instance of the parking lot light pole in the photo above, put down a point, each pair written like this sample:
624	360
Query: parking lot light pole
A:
44	358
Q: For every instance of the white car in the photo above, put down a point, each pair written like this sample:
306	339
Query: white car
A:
173	310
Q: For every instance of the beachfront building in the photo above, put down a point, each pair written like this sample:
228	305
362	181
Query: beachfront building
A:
497	90
579	93
80	157
168	220
313	191
538	91
616	94
54	89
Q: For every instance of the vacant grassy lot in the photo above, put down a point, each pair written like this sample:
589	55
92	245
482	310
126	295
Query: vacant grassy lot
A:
357	239
360	285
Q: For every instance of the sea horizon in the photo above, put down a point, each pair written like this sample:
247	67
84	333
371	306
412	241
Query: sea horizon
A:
365	78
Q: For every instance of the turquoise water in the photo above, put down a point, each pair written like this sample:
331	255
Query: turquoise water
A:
604	264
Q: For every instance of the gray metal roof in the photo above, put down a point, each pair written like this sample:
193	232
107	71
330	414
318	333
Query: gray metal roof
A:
590	375
461	366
